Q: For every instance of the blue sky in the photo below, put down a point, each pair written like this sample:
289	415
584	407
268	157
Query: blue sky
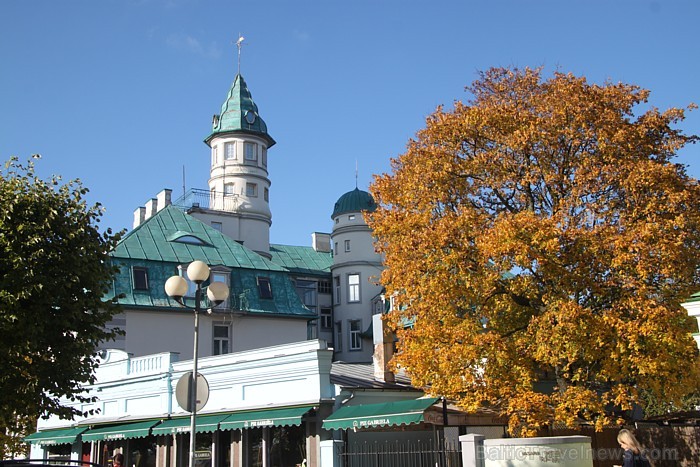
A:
121	93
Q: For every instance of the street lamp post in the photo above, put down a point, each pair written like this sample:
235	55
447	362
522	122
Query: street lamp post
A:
176	287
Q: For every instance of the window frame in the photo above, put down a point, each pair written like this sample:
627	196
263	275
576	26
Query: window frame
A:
264	285
225	274
325	317
338	337
353	289
337	290
251	157
254	190
232	189
347	246
134	282
354	335
216	350
232	146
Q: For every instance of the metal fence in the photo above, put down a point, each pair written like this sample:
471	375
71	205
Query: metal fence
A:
196	198
401	454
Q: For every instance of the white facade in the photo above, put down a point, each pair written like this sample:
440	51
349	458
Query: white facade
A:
239	173
242	333
694	311
355	271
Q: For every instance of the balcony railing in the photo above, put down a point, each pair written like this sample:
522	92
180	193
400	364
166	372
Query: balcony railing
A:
205	199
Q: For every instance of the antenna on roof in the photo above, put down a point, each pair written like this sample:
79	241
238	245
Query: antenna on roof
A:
183	180
355	173
239	44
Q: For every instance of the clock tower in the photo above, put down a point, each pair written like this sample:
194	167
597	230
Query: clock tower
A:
238	184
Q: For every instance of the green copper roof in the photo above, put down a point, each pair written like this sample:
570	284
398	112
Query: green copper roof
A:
302	259
171	238
170	235
239	114
354	201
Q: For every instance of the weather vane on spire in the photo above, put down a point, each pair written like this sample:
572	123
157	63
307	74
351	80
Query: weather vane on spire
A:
239	44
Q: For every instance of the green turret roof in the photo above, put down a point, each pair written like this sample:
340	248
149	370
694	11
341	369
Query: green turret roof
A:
354	201
239	114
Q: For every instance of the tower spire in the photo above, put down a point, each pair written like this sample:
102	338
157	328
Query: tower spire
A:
239	44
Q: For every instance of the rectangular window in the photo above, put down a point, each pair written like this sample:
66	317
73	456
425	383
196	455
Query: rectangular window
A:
267	194
215	155
264	157
251	190
191	286
353	288
230	151
351	217
307	293
324	286
326	318
355	337
338	344
251	152
216	225
221	276
221	339
264	287
140	276
336	283
335	249
347	246
229	189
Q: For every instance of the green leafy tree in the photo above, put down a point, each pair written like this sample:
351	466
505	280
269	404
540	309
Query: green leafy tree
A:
542	231
55	272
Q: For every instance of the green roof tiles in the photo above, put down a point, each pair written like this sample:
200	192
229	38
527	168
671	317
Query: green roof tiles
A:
159	239
354	201
239	114
171	238
301	259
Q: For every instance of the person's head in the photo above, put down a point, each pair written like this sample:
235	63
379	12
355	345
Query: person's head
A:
118	460
628	441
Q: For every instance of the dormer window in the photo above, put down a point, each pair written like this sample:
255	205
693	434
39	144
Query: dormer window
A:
187	238
264	287
140	278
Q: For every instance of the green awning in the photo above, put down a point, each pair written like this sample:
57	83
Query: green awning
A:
123	431
52	437
384	414
271	417
205	424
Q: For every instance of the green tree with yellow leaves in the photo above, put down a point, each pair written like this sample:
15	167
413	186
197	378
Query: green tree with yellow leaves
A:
542	232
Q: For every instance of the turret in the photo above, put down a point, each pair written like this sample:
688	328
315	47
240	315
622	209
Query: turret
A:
239	183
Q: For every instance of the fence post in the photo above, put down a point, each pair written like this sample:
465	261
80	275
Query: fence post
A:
472	450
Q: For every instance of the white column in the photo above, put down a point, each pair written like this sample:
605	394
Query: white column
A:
472	450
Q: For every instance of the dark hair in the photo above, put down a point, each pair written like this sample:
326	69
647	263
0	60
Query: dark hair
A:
119	457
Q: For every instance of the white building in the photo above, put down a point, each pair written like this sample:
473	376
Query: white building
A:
288	357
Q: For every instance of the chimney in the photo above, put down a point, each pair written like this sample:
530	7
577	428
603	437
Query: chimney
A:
139	216
164	198
321	242
151	207
383	350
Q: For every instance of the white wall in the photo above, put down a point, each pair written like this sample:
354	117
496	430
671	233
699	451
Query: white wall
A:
149	332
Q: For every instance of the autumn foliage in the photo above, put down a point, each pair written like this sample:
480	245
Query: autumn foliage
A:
540	238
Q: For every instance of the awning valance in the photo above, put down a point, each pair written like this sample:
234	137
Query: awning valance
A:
57	436
384	414
204	424
271	417
123	431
